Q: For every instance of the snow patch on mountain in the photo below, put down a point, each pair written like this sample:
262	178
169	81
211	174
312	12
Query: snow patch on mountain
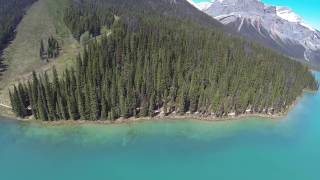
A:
204	5
287	14
194	4
274	26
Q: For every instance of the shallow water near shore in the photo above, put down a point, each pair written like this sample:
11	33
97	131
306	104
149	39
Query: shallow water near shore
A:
252	148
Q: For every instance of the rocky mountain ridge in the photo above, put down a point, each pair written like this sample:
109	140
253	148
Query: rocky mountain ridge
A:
275	27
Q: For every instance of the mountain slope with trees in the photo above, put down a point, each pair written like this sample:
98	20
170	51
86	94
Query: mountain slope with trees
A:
11	12
153	62
44	19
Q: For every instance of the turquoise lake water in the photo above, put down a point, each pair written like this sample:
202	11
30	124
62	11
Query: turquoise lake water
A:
250	149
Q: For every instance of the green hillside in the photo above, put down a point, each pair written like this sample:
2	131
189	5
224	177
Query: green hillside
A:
158	58
42	20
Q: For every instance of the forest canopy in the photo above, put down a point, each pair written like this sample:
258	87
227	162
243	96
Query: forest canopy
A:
153	63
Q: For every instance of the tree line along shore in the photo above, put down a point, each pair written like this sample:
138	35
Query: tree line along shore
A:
151	63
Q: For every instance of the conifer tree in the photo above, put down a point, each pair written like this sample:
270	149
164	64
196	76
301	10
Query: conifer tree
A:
42	51
18	103
152	104
94	111
155	62
49	98
42	109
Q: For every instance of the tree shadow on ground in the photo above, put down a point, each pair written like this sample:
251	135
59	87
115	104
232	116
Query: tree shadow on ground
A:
5	44
3	66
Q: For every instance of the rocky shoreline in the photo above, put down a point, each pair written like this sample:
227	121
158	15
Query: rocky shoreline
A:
157	118
172	116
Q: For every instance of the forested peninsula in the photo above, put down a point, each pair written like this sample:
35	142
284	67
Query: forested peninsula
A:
140	62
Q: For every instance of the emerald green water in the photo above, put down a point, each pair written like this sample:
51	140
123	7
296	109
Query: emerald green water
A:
250	149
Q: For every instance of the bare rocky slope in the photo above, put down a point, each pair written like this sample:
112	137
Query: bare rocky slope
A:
275	27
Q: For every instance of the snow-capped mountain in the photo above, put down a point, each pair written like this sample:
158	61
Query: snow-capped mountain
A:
194	4
287	14
275	27
203	6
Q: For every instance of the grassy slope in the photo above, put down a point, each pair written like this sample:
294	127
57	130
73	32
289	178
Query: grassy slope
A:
43	19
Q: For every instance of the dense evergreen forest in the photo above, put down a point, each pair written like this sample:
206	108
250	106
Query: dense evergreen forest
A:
152	63
91	15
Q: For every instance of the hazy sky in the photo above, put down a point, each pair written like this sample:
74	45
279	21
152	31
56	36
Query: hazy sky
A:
308	9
